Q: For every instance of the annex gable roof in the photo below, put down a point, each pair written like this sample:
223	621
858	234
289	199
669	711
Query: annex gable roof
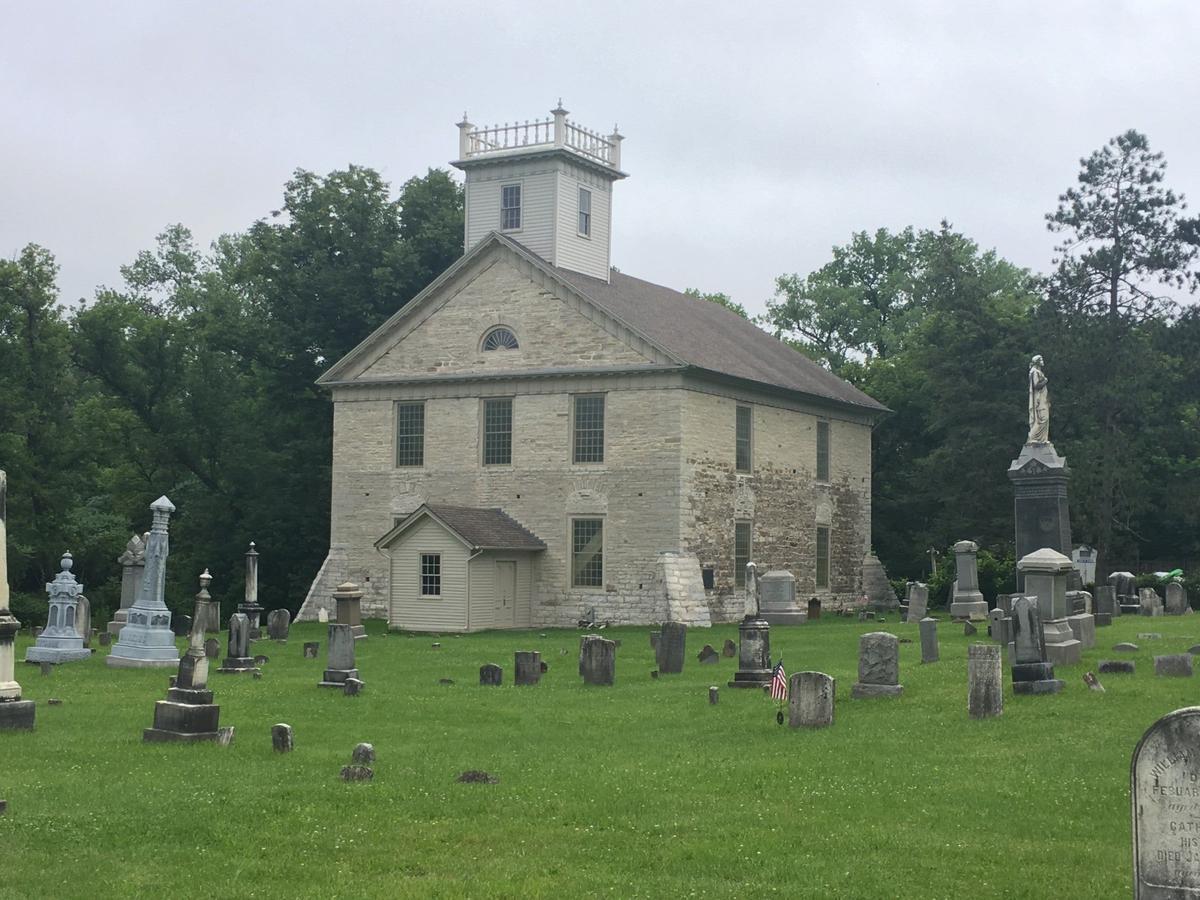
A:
478	528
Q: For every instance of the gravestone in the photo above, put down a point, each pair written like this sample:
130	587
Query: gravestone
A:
238	659
363	754
1125	647
1093	683
672	645
181	626
929	640
967	602
1045	574
1106	600
15	713
918	601
60	640
208	610
1000	627
311	649
1175	665
188	714
598	660
814	610
714	695
1165	805
491	675
348	597
810	700
985	681
1083	628
212	648
83	620
729	649
1079	602
527	667
969	629
709	655
754	654
340	662
875	586
1004	602
282	738
878	666
133	563
249	605
1177	600
322	615
1149	603
777	598
279	623
1116	667
147	641
1031	673
352	687
105	638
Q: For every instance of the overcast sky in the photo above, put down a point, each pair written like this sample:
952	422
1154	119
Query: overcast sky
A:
758	134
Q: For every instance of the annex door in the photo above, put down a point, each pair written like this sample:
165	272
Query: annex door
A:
506	593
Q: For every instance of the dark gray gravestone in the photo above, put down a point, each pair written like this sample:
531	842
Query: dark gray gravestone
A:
279	623
1125	647
363	754
1116	667
311	649
1176	665
671	647
282	738
714	695
1031	673
1165	806
878	666
597	660
929	640
352	687
709	655
527	667
985	681
212	648
729	649
491	675
105	638
357	773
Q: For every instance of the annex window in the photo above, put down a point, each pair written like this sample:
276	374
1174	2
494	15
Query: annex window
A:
587	552
431	574
500	338
410	434
742	540
510	207
822	451
585	212
497	432
744	434
588	429
822	556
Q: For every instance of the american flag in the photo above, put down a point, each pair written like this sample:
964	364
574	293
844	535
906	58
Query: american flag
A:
779	686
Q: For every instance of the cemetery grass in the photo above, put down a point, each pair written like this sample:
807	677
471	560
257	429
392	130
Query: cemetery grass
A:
638	790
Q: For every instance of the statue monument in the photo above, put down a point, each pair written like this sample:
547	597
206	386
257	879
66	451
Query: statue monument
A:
1039	477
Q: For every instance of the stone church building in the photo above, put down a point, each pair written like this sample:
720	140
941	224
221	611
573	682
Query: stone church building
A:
538	438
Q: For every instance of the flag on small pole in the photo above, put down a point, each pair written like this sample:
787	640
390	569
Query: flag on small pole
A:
779	685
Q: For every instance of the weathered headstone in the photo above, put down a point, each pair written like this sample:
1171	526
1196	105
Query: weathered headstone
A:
598	660
1093	683
1166	805
60	641
754	654
147	641
15	713
279	623
985	681
671	648
1045	573
918	601
1106	603
777	598
1149	603
810	700
83	620
133	563
238	659
282	738
322	615
363	754
352	687
357	773
1125	647
212	648
878	666
1177	600
729	649
311	649
340	663
814	609
714	695
1031	672
708	655
929	640
1000	626
1149	636
1004	602
208	610
527	667
1083	627
1116	667
105	638
491	675
348	597
249	606
967	601
1175	665
969	629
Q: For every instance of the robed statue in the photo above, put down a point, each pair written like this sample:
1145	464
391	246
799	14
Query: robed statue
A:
1039	404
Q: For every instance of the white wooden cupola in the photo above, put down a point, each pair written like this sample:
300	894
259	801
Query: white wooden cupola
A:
547	184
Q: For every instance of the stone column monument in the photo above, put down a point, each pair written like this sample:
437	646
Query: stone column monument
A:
147	641
207	610
967	601
1039	476
1045	573
133	564
348	597
61	641
754	640
14	712
249	607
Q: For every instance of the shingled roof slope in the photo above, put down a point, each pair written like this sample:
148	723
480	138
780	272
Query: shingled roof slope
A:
487	528
708	336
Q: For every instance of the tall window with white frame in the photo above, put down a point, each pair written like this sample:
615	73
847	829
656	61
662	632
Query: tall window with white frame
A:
822	450
510	207
822	556
410	434
588	429
587	553
743	538
497	432
431	574
585	212
745	436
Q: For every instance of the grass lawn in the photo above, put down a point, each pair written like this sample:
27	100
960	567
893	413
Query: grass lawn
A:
638	790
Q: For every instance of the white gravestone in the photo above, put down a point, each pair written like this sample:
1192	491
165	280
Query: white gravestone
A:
1165	793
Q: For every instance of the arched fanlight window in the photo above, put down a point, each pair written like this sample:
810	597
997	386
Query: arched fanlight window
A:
500	339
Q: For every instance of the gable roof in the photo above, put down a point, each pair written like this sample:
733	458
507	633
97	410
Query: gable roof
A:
687	331
479	528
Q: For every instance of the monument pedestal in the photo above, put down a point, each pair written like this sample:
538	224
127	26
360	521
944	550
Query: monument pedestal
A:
754	654
1039	477
16	714
186	715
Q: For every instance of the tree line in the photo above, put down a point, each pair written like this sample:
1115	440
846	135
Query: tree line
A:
195	377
